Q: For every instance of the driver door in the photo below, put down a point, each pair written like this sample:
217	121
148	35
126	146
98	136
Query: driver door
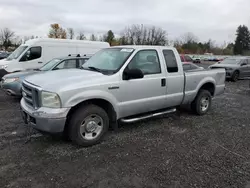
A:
248	68
137	96
244	68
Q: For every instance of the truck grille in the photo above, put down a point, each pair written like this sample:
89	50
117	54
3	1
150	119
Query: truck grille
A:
30	95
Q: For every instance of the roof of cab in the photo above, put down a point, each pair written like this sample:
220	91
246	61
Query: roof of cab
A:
144	47
37	40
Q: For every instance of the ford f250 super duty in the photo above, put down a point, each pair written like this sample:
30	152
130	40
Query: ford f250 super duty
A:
117	84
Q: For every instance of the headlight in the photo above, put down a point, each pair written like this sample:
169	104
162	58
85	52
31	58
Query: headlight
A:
10	80
50	100
4	66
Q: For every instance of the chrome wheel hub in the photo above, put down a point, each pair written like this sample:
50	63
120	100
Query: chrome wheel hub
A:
91	127
204	103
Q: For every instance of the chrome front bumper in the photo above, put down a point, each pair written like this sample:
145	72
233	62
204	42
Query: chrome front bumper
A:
45	119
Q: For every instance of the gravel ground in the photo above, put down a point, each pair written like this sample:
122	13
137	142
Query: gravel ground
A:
179	150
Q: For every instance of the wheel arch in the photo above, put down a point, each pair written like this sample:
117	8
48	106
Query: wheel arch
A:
209	86
103	103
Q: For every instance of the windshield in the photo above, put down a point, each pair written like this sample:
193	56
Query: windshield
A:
16	53
108	60
231	61
50	64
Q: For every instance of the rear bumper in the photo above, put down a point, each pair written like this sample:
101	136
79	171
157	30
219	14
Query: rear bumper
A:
45	119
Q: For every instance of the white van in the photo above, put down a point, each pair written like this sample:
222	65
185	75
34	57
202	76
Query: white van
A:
36	52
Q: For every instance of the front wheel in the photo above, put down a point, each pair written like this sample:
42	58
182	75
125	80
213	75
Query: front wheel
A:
202	102
88	125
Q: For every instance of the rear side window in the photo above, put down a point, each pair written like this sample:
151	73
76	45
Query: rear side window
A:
82	61
170	61
67	64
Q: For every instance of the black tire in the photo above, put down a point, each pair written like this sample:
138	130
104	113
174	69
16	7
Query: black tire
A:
196	105
235	76
78	118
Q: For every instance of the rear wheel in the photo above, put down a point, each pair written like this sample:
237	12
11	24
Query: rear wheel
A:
202	102
235	76
88	125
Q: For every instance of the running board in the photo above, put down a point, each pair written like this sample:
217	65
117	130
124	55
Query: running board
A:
132	120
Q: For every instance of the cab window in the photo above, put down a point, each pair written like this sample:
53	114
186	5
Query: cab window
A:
82	61
147	61
32	53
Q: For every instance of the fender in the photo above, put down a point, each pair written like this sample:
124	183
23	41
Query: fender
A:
92	94
204	81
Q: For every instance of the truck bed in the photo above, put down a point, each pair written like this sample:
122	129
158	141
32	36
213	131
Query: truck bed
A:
195	79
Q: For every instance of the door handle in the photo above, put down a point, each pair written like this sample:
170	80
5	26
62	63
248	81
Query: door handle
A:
40	62
163	82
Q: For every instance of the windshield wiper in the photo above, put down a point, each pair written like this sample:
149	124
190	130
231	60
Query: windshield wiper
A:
95	69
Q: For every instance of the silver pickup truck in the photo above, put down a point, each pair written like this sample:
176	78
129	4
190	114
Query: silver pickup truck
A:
117	84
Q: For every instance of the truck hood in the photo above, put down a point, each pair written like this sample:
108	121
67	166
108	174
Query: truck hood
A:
55	81
4	62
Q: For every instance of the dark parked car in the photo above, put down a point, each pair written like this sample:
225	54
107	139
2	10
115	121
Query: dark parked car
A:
236	67
12	83
4	55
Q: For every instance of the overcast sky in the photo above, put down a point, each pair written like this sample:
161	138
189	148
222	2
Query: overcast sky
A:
215	19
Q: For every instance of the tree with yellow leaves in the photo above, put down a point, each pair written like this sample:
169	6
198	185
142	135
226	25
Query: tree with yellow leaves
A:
57	32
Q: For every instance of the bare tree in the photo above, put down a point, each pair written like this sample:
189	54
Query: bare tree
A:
25	38
142	35
6	37
93	37
16	41
81	36
189	38
71	33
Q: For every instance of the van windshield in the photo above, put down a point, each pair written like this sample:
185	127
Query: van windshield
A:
48	66
108	60
16	53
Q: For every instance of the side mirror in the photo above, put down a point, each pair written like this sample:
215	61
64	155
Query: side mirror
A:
243	64
132	74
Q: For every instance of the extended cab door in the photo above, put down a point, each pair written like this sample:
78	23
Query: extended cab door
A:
32	59
175	78
145	94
